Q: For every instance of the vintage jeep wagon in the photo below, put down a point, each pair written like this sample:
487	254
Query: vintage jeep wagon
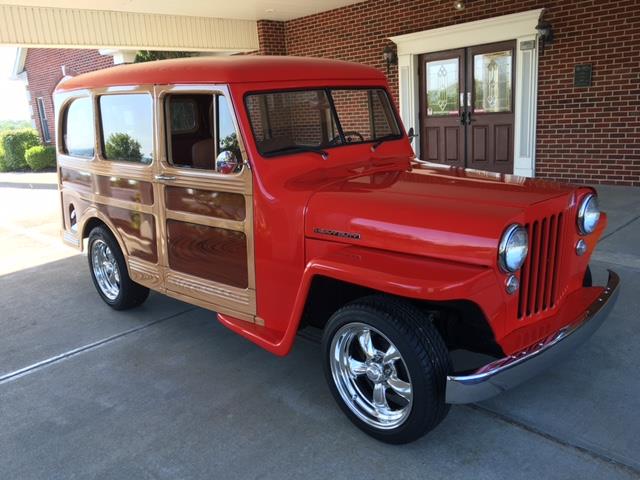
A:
283	193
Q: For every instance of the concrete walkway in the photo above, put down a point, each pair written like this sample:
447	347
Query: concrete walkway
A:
34	180
165	392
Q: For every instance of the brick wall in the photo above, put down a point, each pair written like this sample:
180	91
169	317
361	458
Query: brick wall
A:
271	38
44	71
583	134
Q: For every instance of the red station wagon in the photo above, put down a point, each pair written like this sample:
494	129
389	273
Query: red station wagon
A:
283	193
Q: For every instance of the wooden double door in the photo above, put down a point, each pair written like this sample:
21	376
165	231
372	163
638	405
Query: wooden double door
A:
467	106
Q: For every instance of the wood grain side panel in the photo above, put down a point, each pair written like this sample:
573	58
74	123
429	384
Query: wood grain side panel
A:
137	230
75	179
207	252
137	191
229	206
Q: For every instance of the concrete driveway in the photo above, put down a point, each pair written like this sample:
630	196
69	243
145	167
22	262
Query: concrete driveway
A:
164	391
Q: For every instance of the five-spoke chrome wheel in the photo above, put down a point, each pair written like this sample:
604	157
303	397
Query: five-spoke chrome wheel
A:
105	269
371	376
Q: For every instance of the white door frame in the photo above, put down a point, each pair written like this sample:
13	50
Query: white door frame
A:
516	26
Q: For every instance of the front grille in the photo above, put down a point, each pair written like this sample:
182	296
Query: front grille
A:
539	275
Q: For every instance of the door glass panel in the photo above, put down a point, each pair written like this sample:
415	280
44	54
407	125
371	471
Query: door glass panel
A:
443	90
492	82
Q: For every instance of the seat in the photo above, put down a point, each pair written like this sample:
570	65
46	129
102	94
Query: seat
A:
202	154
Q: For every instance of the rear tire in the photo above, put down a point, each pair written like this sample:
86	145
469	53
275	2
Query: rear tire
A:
395	401
109	272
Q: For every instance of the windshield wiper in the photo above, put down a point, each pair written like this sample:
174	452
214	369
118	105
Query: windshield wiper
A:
300	148
381	140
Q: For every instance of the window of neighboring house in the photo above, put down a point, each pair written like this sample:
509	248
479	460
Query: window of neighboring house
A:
78	137
199	127
127	127
44	124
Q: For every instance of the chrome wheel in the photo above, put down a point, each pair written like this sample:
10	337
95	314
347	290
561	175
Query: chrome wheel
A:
105	269
371	376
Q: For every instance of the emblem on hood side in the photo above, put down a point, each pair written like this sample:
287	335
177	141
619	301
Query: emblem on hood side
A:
336	233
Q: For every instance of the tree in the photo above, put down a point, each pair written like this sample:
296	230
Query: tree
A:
151	55
121	146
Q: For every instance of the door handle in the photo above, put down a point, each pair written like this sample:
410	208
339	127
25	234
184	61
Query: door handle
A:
164	178
463	118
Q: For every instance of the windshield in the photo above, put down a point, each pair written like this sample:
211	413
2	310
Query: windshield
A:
291	121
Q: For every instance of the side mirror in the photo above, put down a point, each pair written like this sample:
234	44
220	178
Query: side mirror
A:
411	134
227	162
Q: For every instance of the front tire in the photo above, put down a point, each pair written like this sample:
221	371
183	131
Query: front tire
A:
386	366
109	272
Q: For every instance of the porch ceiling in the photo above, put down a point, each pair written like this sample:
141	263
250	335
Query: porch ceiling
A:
198	25
242	9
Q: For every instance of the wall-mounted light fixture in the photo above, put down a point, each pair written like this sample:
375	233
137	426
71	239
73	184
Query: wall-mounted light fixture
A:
545	32
459	5
390	56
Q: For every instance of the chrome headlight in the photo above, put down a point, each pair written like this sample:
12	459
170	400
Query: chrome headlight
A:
588	214
513	248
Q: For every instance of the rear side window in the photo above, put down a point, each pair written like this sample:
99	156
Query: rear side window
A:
78	137
127	127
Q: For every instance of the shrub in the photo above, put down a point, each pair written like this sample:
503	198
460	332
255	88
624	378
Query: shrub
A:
3	166
14	143
40	157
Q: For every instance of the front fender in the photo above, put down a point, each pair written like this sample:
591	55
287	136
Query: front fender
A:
389	272
403	275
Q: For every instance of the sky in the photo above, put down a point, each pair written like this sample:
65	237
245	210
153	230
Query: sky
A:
13	96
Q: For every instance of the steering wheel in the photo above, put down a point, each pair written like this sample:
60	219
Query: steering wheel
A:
348	136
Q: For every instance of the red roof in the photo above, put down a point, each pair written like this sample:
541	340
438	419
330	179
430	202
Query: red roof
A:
234	69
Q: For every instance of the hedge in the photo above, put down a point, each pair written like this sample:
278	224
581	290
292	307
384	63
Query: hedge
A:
14	144
40	157
3	167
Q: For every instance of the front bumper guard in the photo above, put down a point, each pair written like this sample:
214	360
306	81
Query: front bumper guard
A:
507	372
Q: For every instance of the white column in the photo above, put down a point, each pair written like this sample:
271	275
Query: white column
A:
120	56
409	96
525	107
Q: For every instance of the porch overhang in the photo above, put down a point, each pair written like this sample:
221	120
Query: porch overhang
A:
46	27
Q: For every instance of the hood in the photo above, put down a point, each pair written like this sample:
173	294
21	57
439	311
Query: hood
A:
445	213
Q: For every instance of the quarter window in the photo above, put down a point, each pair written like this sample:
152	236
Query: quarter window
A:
77	132
127	127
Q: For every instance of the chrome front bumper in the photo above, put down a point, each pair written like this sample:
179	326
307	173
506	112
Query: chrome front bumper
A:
510	371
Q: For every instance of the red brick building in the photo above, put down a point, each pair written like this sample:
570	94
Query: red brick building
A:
554	127
44	68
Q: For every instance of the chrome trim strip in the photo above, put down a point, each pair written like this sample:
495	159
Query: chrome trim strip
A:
510	371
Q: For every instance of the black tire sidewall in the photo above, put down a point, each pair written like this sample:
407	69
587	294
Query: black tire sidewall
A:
425	397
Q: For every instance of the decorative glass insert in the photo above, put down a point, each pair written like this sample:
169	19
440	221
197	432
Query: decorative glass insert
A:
443	90
492	82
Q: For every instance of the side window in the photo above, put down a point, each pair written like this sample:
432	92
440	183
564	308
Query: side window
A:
127	127
199	128
77	130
